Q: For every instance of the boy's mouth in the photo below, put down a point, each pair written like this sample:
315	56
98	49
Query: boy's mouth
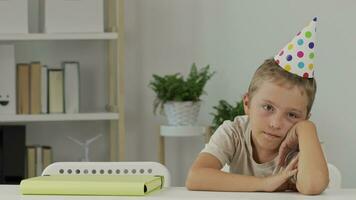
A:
270	134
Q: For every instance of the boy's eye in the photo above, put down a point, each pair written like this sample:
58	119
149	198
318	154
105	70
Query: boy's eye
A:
292	115
267	107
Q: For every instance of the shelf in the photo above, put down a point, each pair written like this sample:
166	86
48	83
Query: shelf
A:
183	131
59	117
57	36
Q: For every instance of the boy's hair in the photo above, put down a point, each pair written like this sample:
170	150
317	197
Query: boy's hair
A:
271	71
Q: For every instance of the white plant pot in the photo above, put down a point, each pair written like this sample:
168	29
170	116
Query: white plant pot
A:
182	113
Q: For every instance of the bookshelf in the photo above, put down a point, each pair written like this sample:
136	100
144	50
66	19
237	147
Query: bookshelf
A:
58	117
57	36
110	44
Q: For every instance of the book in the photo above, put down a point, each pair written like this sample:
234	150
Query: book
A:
55	91
30	162
7	79
23	88
47	157
38	158
71	87
126	185
44	90
35	87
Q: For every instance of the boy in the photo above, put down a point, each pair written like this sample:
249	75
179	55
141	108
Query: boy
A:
274	147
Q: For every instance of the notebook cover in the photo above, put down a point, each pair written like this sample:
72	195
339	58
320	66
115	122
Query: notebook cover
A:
130	185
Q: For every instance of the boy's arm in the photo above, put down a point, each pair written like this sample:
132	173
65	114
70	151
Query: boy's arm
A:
205	174
313	175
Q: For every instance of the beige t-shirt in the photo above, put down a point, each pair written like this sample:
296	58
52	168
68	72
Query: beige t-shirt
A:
231	144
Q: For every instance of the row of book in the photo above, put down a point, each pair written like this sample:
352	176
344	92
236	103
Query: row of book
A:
42	90
38	157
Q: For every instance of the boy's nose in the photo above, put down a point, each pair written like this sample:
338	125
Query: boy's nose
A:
275	122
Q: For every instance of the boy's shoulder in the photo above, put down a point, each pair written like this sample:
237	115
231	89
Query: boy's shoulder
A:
241	119
237	126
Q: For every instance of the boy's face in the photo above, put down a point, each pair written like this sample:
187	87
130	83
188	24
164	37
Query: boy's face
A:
272	111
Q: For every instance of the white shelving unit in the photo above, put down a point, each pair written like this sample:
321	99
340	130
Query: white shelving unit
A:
58	117
58	36
115	79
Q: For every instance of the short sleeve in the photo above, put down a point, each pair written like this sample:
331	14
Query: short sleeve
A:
223	143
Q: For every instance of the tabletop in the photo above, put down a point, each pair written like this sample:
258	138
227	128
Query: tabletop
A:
12	192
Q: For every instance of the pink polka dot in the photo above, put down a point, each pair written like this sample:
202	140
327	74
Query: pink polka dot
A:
300	54
281	53
298	33
305	75
277	61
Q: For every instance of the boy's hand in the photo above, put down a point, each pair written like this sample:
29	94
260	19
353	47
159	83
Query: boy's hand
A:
279	182
289	144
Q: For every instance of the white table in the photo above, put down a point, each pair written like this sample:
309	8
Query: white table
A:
12	192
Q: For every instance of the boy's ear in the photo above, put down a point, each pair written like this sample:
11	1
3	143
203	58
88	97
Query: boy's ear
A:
308	116
246	101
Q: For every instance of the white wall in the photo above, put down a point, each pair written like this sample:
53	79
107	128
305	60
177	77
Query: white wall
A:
234	37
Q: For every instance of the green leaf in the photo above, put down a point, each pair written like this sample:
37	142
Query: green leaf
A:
225	111
175	88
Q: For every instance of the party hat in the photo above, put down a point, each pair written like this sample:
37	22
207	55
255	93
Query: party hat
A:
298	55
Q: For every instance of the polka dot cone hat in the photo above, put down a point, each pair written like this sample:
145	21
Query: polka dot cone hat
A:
298	55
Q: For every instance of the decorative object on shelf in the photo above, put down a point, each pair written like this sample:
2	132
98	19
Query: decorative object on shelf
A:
14	16
80	16
7	79
85	145
179	98
225	111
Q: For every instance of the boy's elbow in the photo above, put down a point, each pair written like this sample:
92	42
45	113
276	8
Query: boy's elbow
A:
190	185
313	187
189	182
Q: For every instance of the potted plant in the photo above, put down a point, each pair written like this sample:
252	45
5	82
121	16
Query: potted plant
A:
179	97
225	111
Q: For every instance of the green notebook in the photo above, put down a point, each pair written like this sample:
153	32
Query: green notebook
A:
91	185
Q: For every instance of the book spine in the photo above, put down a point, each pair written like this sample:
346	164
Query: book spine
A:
55	91
35	85
23	88
30	161
71	87
38	161
44	90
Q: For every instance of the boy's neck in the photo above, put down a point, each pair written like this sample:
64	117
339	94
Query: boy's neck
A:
261	155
